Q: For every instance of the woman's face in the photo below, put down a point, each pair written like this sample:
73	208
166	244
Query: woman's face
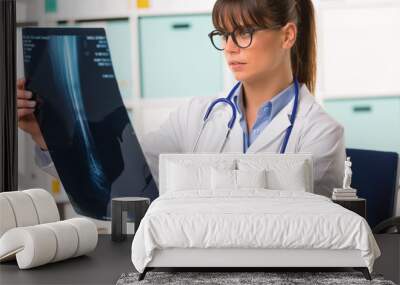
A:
268	51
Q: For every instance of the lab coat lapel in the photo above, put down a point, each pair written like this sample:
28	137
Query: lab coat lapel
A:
235	142
273	131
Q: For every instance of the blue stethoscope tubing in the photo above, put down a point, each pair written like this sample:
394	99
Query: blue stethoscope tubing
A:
231	123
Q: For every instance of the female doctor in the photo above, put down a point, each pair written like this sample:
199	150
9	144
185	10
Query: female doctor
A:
270	46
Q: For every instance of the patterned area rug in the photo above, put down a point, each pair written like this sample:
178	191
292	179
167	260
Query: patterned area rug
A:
230	278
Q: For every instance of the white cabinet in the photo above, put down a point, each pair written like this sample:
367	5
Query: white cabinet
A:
28	11
359	48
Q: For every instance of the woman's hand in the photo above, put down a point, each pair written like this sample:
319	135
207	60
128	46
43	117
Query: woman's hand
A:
26	119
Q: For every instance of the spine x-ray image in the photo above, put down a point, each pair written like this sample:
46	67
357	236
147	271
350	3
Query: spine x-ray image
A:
82	118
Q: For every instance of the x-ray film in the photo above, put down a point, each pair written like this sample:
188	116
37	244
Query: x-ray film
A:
83	119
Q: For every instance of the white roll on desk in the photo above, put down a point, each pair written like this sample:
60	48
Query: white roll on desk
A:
31	231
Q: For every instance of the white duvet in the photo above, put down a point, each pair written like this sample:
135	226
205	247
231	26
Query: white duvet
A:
251	218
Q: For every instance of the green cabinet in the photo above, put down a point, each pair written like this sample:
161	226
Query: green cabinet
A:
370	123
177	58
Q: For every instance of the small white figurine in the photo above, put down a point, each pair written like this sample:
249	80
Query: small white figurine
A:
346	192
347	174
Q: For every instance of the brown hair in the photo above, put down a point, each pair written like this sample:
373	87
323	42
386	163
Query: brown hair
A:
272	14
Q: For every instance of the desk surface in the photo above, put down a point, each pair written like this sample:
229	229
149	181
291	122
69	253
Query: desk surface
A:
102	266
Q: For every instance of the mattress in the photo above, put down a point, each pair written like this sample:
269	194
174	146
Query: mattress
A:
251	219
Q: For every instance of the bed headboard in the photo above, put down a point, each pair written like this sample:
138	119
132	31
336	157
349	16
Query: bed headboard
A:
268	160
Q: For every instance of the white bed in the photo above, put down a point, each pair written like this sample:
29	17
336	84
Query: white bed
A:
194	223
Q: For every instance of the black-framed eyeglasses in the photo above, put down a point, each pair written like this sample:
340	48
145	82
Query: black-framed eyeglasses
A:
242	37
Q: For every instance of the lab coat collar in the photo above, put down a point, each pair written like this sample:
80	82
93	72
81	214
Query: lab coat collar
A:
281	121
275	104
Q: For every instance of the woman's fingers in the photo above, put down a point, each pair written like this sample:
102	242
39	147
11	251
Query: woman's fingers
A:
23	103
24	112
21	83
23	94
25	106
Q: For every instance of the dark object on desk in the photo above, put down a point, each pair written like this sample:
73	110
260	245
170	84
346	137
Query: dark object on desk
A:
121	209
375	176
357	205
83	118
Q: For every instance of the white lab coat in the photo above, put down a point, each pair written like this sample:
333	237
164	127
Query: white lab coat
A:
314	131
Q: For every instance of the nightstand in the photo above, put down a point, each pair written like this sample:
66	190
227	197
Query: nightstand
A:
120	207
357	205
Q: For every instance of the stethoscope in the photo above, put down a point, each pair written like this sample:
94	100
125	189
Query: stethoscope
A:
231	123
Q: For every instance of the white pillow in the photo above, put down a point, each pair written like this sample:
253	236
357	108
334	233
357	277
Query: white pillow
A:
223	179
192	174
236	179
187	177
281	174
291	179
251	178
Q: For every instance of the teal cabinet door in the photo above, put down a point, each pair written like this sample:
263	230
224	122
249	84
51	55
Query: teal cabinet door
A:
369	123
177	58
